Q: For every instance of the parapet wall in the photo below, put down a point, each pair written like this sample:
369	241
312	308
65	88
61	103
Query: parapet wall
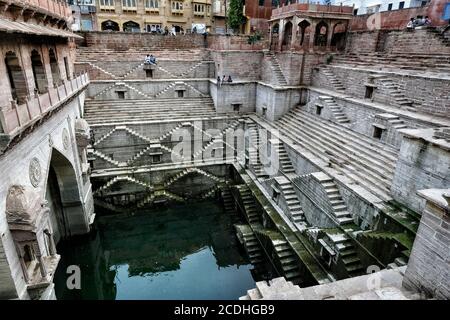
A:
125	40
222	42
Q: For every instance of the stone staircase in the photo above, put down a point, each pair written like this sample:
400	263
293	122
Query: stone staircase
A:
338	206
170	86
254	142
336	83
368	162
347	252
217	138
275	289
228	201
288	260
336	110
250	209
129	111
251	244
397	95
284	161
105	157
108	88
292	202
276	69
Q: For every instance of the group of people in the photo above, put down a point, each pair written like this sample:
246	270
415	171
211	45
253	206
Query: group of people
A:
150	59
165	31
223	79
419	22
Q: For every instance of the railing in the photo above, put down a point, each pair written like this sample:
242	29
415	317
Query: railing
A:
15	118
57	7
311	7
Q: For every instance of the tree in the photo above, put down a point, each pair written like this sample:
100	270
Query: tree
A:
235	16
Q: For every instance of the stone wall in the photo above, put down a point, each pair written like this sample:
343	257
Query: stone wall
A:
145	89
241	94
125	40
241	65
236	42
428	270
422	164
28	164
429	94
8	44
273	102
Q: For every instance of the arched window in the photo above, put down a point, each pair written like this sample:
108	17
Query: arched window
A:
321	34
28	255
40	77
109	25
16	78
56	75
303	28
287	35
131	26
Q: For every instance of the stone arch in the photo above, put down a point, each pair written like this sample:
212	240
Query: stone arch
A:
287	34
131	26
54	67
40	77
304	31
338	35
321	34
64	198
110	25
16	78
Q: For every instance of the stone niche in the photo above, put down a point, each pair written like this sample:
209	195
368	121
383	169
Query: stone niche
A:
29	222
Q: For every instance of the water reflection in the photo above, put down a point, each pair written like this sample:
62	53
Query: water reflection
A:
184	252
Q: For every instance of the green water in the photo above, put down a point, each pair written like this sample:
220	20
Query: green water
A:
184	252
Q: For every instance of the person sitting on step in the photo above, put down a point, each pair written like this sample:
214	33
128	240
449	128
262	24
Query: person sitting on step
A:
411	24
229	79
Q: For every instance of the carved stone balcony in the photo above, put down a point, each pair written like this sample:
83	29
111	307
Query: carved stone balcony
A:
16	119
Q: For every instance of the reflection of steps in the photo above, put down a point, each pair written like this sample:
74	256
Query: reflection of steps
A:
122	178
336	109
275	66
337	84
291	199
356	156
250	208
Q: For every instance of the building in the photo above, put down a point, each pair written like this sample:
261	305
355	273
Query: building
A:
45	185
84	15
374	6
148	15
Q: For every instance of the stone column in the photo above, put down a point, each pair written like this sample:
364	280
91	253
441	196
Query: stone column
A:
311	34
329	35
280	34
295	28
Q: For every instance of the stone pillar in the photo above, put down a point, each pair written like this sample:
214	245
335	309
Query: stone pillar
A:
295	27
281	34
428	269
329	35
311	34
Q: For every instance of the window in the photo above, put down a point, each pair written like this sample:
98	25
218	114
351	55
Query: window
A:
129	4
369	92
180	93
156	158
401	4
149	73
151	4
177	6
199	9
236	107
106	3
120	94
319	109
377	132
390	6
